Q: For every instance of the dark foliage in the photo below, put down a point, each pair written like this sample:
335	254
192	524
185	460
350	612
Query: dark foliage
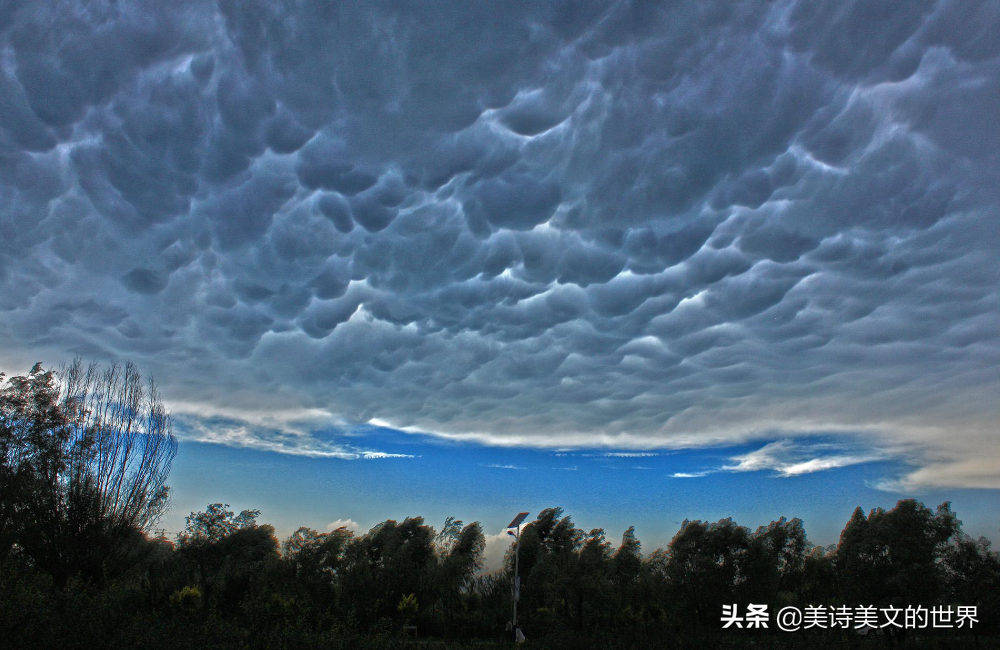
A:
84	456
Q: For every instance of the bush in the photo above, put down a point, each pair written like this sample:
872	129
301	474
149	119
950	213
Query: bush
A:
187	599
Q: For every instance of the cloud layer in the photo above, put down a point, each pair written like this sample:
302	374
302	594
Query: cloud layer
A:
575	224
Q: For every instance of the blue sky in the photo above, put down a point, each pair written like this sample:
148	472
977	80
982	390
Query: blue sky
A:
598	488
758	239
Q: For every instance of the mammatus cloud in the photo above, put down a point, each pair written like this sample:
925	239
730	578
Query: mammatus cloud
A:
572	225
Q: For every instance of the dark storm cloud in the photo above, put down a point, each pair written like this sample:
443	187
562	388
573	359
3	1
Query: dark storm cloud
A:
567	225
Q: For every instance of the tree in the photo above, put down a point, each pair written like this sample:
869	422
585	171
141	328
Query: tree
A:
972	575
774	561
705	563
391	561
895	556
125	441
460	549
86	454
819	576
211	537
34	450
227	552
214	524
548	566
316	554
626	567
317	559
592	587
627	560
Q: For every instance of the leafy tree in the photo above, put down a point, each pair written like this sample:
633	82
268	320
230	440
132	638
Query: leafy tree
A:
895	556
819	575
215	535
705	566
627	560
548	564
448	537
85	456
408	607
460	549
316	554
625	569
774	560
228	553
214	524
317	559
972	575
592	578
463	556
391	561
35	449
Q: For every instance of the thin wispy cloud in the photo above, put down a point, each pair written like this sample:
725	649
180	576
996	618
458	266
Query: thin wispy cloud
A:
789	458
622	454
689	474
289	439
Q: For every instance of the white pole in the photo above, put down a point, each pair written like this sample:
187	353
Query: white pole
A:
517	548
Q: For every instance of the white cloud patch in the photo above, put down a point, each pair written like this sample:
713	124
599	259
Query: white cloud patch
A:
495	550
791	458
349	524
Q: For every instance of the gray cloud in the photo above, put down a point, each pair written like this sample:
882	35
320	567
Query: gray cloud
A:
567	225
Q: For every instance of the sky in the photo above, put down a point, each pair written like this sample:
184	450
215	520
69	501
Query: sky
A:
643	261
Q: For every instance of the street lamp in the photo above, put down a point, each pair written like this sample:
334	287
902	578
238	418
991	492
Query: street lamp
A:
516	524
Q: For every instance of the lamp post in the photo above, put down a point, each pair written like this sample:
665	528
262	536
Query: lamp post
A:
516	524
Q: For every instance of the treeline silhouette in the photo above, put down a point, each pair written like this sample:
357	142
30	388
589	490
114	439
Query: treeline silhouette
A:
84	455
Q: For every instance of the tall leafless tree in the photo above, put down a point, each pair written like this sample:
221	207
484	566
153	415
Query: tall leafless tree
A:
123	444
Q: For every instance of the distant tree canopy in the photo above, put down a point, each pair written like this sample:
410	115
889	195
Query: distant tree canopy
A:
226	569
214	525
84	457
895	556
